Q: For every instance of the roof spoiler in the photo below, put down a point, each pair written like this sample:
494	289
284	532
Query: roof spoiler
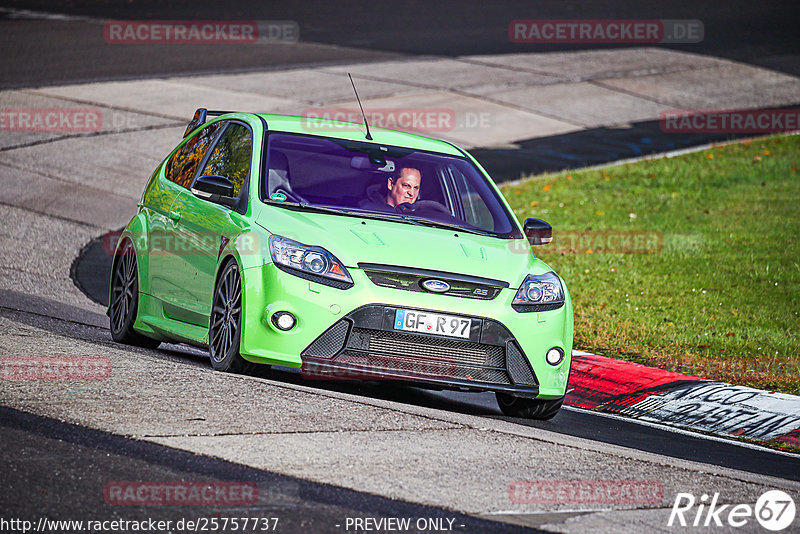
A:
200	117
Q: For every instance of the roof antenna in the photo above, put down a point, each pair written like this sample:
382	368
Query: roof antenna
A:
369	137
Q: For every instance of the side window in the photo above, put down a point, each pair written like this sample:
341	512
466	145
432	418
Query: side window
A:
231	156
183	163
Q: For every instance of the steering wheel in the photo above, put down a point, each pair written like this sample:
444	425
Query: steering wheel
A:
426	205
405	207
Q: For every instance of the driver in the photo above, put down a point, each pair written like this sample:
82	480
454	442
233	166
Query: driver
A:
404	188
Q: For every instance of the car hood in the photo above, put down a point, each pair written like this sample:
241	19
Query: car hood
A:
357	240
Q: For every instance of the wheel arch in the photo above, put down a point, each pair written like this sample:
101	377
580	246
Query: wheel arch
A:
224	259
248	250
136	234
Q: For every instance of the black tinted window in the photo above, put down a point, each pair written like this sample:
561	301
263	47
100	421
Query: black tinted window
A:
359	176
183	163
231	156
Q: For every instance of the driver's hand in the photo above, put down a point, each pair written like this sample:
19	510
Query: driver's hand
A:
405	207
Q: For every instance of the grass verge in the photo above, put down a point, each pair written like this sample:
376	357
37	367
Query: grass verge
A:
689	263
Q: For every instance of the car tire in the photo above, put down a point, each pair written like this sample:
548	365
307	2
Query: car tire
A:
225	323
125	300
541	409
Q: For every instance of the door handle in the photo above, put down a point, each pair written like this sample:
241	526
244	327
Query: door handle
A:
175	215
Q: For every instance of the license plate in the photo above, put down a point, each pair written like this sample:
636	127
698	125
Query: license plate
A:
432	323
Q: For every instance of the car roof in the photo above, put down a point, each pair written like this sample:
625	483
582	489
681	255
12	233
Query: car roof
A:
355	131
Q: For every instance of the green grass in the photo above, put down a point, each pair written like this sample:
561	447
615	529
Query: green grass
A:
717	292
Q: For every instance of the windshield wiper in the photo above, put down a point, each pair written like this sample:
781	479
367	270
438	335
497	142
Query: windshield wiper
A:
449	226
307	206
352	213
386	216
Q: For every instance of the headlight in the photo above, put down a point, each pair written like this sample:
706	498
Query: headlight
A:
312	263
539	292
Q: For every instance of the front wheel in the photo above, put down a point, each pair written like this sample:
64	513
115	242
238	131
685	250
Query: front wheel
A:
224	329
542	409
125	300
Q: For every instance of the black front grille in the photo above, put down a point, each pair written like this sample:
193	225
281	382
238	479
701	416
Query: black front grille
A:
365	340
431	348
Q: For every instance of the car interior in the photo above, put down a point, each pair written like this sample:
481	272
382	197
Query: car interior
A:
353	175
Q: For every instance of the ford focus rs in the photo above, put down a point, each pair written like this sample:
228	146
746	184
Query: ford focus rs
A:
306	243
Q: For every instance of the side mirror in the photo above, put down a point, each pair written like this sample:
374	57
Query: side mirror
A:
217	189
537	231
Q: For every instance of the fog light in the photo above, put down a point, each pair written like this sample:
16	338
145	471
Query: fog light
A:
283	320
554	356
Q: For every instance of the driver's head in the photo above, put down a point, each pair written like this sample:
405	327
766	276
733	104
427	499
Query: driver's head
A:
404	188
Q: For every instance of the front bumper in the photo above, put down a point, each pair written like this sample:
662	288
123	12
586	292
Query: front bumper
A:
364	345
357	322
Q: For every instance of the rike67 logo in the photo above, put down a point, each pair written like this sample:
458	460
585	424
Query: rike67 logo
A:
774	510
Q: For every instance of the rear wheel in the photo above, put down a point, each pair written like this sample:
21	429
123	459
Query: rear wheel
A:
528	408
125	300
224	329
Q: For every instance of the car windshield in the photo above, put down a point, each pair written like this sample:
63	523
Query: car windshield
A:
368	179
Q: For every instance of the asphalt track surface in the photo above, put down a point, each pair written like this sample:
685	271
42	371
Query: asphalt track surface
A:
33	449
58	470
761	33
584	424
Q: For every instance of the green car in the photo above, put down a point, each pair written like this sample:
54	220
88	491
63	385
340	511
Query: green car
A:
306	243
